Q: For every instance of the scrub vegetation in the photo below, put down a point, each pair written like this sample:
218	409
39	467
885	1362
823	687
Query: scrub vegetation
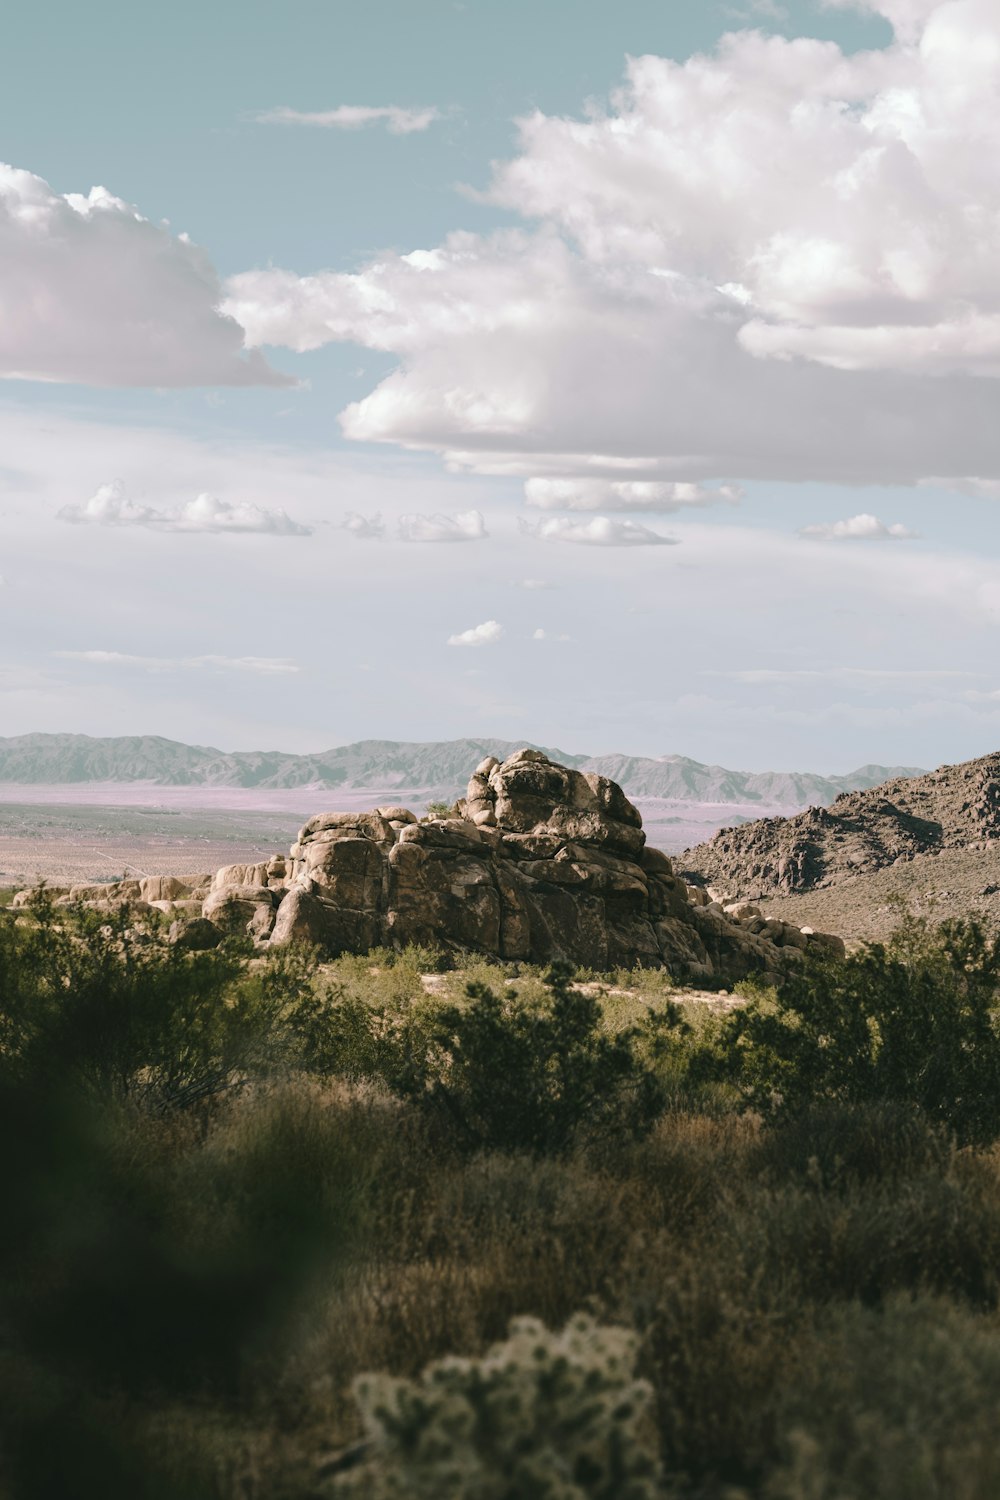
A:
276	1229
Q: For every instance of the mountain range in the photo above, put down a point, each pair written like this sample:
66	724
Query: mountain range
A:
438	768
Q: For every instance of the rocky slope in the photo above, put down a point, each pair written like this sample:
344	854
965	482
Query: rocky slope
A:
954	810
544	862
438	767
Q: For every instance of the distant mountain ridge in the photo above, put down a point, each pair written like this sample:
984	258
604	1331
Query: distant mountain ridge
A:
441	768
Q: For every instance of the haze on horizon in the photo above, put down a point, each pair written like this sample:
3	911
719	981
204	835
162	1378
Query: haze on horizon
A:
622	379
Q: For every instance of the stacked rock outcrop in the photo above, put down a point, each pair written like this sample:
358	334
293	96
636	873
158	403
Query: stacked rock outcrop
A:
540	862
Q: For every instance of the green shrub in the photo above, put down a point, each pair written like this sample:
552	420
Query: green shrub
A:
441	810
90	1001
912	1023
543	1416
507	1071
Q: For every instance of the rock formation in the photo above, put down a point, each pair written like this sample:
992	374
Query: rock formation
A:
542	862
953	808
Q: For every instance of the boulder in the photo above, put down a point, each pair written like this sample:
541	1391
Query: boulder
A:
234	907
232	876
306	918
170	887
545	863
195	933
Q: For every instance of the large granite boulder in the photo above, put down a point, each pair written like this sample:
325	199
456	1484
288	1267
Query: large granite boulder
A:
545	863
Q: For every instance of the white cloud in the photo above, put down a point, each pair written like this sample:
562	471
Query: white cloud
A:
535	583
364	528
685	312
546	635
266	666
111	506
207	513
396	119
625	495
602	531
977	489
464	526
92	292
863	528
480	635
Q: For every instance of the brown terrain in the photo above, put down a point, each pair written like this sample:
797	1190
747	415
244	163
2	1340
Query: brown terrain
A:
927	843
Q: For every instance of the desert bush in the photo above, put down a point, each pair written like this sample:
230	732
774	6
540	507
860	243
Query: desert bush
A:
839	1146
542	1414
441	810
87	999
505	1070
912	1023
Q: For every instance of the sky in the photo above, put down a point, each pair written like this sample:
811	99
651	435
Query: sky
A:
606	377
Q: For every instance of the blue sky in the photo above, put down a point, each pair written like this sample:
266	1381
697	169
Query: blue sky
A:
703	359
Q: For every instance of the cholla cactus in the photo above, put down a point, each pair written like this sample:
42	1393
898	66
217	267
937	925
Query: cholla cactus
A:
543	1416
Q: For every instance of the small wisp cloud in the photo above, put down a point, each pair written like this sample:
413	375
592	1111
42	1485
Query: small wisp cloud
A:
602	531
363	528
265	666
662	496
486	634
863	528
464	526
396	119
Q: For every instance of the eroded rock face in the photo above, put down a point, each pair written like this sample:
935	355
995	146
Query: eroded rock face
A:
545	863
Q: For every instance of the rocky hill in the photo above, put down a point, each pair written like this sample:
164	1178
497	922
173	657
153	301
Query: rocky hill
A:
440	768
905	821
544	862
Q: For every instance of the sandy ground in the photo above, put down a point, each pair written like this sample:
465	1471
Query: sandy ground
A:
99	831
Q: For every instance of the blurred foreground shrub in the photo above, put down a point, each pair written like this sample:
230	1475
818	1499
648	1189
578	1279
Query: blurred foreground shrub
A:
558	1415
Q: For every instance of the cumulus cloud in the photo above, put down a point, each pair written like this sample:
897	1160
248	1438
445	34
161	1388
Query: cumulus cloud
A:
111	506
602	531
266	666
364	528
396	119
93	292
480	635
535	583
207	513
863	528
625	495
464	526
684	312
